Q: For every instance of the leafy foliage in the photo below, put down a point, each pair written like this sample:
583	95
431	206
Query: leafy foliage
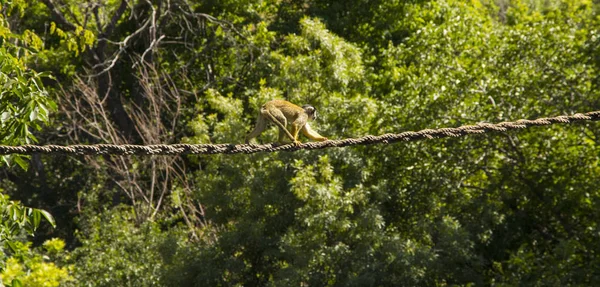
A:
115	252
29	268
16	218
24	103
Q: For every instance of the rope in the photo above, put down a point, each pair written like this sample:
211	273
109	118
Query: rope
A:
174	149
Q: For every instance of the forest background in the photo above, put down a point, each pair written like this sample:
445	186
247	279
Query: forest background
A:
513	208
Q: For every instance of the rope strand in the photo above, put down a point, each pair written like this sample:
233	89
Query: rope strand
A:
175	149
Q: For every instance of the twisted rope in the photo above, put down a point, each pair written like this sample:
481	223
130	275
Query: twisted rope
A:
174	149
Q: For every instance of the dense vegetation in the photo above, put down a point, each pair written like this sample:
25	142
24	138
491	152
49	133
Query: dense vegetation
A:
506	209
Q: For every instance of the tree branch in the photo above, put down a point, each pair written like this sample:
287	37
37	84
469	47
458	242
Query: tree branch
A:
58	16
113	21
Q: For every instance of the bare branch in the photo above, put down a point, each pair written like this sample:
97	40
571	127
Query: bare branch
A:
146	182
152	45
122	46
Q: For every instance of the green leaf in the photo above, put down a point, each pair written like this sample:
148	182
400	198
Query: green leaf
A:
48	217
5	115
33	115
52	105
12	246
21	162
37	217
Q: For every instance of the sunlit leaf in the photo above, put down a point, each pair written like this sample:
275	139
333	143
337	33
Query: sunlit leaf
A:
48	217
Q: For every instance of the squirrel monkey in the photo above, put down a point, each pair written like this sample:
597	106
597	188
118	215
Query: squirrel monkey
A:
283	113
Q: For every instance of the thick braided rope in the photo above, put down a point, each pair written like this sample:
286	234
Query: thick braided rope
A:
174	149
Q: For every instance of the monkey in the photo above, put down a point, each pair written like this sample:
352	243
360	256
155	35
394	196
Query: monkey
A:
282	113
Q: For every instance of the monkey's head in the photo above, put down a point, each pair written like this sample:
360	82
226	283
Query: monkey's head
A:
310	111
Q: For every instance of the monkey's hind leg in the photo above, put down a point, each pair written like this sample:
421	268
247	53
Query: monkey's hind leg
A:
261	125
279	119
283	136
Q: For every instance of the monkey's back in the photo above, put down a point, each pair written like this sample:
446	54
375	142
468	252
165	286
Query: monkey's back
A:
286	107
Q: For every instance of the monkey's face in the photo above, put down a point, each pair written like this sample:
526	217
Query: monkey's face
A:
310	111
